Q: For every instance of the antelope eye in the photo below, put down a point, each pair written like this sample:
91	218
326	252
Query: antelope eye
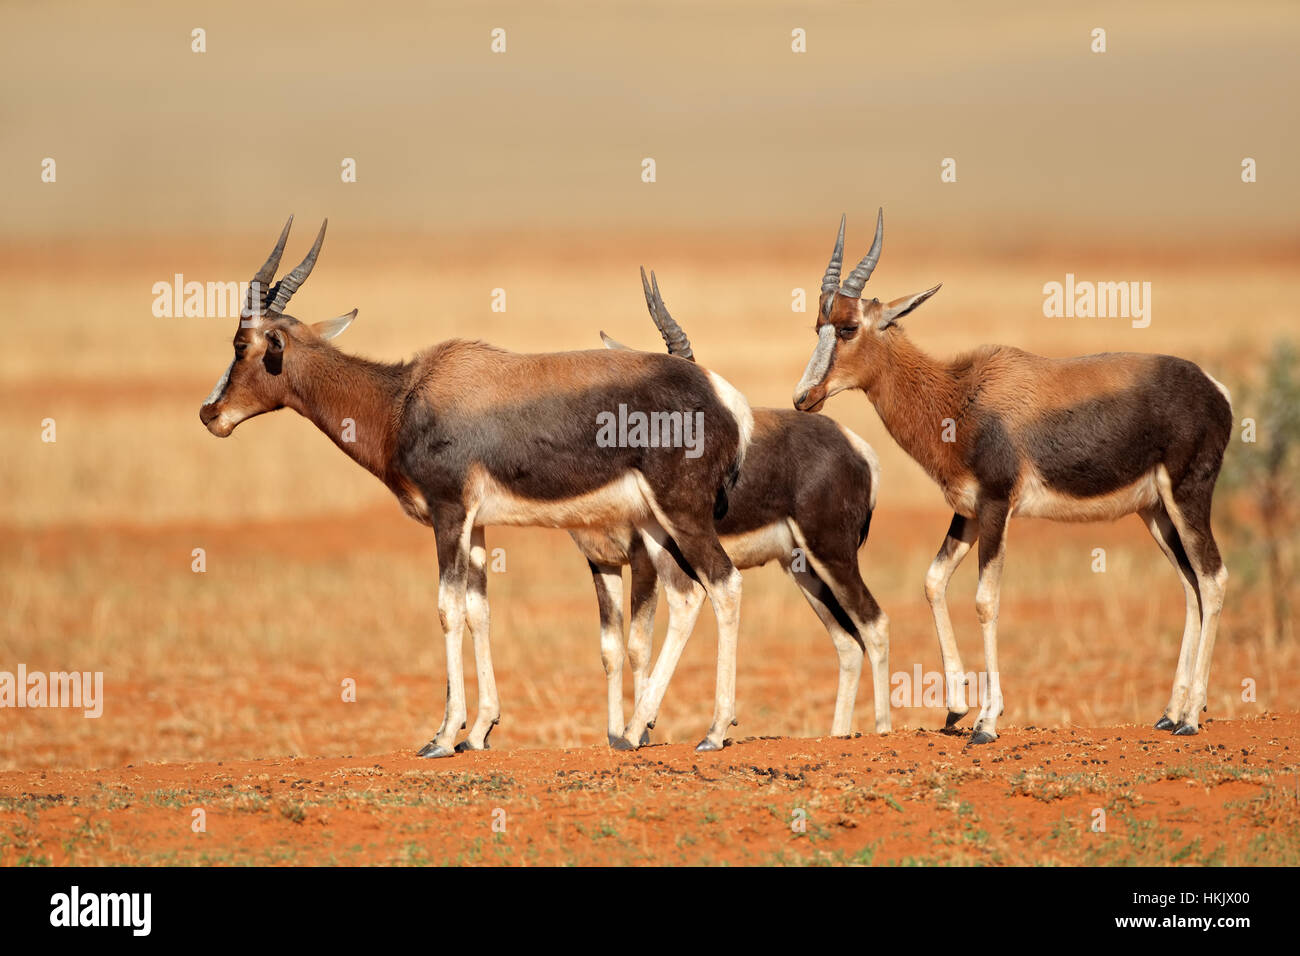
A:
848	331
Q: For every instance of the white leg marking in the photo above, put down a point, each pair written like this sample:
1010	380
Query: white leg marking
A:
640	638
725	598
936	593
1162	529
988	596
452	613
685	599
1212	588
479	618
848	649
875	637
609	592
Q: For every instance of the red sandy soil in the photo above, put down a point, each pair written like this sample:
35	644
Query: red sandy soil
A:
1230	795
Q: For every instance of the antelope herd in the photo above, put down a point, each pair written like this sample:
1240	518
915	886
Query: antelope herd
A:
468	435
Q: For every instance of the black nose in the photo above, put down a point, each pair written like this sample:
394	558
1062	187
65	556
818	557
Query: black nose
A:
798	399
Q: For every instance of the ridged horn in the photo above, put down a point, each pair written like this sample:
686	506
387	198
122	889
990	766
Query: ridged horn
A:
831	281
259	288
676	340
283	290
862	271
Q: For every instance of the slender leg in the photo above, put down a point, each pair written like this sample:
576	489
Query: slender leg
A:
848	645
1189	509
701	556
722	582
877	639
452	529
870	624
609	595
685	599
836	584
961	535
992	520
1166	536
479	619
1212	586
640	638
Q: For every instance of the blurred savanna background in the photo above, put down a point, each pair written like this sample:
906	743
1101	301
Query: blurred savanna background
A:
522	170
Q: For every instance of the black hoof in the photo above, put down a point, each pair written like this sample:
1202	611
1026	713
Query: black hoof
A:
1164	723
980	737
464	746
621	743
431	749
645	737
1185	730
706	746
953	717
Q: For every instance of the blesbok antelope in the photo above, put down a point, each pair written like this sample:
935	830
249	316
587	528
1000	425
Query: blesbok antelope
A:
467	435
803	500
1008	434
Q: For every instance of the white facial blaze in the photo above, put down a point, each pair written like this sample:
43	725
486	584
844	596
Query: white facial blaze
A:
820	363
221	385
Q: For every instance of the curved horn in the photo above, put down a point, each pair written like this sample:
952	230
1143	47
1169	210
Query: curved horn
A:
258	289
283	290
676	340
831	281
862	271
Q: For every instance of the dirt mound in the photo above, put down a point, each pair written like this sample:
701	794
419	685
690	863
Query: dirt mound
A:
1116	795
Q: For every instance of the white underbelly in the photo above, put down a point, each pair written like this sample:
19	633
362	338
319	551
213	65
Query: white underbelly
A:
620	502
1035	500
773	542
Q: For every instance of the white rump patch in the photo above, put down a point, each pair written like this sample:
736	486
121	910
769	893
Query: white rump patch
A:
867	454
736	403
1220	386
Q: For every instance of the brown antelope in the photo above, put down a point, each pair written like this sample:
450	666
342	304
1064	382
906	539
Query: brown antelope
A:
804	500
467	435
1009	434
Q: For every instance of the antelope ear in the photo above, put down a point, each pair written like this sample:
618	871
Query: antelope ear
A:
900	307
332	327
613	343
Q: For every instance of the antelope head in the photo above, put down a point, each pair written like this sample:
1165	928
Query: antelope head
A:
272	349
852	333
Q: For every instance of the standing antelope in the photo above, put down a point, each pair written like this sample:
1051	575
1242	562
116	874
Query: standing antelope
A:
803	500
1006	434
468	435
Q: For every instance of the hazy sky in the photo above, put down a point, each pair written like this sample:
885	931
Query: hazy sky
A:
1146	139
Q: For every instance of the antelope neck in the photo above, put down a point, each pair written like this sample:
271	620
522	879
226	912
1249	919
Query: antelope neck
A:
354	401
